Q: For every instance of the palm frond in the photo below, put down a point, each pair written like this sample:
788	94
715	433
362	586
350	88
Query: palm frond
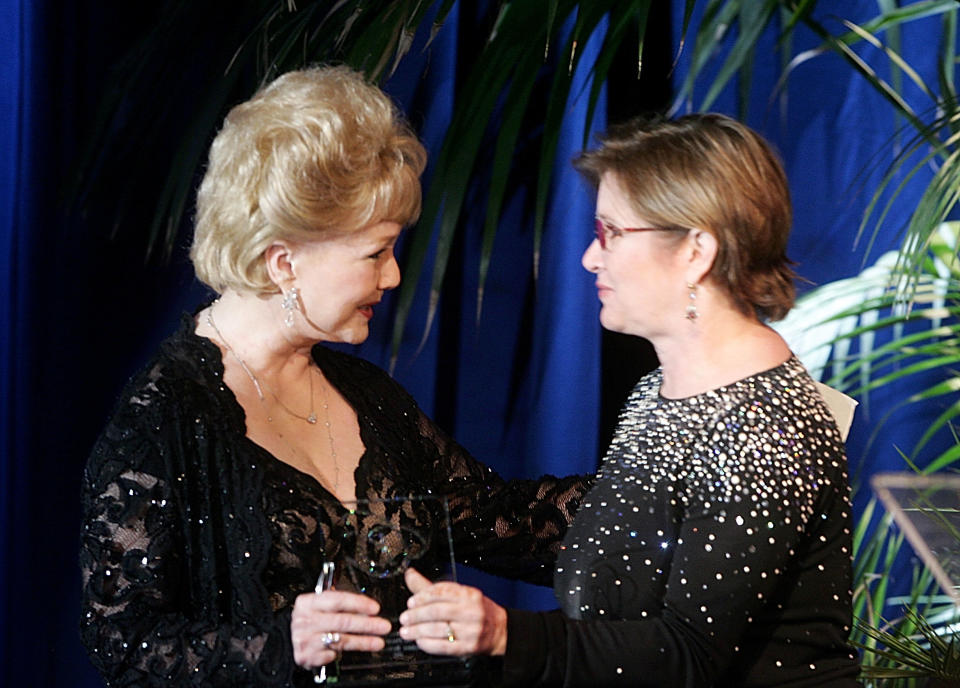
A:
500	87
529	46
912	648
853	333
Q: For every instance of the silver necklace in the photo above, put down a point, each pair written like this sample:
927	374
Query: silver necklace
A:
312	418
333	449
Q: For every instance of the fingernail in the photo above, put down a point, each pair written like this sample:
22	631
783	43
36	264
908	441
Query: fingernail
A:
403	618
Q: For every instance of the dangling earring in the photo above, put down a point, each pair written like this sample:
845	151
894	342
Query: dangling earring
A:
691	312
290	303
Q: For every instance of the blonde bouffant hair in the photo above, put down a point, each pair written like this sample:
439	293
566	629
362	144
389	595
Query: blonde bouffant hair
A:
317	153
710	172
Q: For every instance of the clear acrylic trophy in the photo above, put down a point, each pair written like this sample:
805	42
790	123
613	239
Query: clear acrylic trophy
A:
375	542
927	510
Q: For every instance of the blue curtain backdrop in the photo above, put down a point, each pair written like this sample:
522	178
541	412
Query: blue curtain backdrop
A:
79	313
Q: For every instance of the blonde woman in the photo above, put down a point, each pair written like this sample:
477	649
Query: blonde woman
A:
211	498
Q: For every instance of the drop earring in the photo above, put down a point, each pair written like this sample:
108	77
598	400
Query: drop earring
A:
290	303
691	313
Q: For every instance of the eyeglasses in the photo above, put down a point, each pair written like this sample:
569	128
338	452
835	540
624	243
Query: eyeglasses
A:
606	232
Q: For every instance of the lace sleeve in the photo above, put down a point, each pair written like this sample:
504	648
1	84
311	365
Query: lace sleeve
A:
142	620
509	528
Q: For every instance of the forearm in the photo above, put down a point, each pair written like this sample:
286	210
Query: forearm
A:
549	649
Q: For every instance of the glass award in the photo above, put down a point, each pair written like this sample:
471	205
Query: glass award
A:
376	541
927	510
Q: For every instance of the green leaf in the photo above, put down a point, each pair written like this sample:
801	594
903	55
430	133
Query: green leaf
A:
752	23
714	26
502	59
901	15
586	23
504	152
620	23
442	13
685	26
899	64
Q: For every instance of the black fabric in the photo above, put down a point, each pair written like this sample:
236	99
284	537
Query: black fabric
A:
713	550
196	541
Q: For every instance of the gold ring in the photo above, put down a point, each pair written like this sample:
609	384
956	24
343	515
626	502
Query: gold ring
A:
451	637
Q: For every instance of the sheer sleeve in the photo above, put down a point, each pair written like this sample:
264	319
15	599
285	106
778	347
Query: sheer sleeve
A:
142	620
509	528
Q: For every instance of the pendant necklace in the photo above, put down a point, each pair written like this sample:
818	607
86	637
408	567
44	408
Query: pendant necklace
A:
311	418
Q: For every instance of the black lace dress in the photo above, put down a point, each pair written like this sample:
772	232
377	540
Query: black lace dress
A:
196	541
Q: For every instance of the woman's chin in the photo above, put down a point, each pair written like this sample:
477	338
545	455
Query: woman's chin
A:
357	335
610	322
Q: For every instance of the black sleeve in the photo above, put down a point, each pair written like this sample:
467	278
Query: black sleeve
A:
731	553
509	528
140	623
688	641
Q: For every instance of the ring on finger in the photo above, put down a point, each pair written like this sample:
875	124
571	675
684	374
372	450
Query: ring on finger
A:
451	636
330	639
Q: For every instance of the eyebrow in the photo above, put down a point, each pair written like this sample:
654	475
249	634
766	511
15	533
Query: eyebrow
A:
607	220
387	236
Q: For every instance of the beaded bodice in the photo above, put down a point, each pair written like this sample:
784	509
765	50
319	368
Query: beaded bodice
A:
724	520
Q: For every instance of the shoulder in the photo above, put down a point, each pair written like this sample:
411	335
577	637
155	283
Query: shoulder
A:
645	394
360	380
185	370
773	432
180	384
785	395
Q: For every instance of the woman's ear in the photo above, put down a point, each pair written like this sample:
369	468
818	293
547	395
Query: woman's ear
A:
279	261
702	252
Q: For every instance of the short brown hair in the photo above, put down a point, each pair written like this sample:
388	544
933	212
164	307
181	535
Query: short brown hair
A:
316	153
710	172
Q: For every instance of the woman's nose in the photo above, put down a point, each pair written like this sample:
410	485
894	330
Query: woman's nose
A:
390	276
592	257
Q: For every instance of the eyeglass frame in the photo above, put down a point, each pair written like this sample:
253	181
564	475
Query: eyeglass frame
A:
600	231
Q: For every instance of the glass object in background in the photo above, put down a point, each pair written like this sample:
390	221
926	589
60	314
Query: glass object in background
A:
927	509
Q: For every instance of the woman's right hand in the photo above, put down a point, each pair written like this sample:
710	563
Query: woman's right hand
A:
348	618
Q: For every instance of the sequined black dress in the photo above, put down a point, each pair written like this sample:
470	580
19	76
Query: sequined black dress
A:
713	550
196	541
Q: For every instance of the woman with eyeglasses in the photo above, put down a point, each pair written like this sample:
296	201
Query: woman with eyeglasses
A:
714	548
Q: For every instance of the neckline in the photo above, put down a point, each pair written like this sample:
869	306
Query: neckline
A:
215	358
786	365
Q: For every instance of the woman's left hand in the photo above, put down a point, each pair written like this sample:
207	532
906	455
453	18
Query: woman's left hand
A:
447	618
